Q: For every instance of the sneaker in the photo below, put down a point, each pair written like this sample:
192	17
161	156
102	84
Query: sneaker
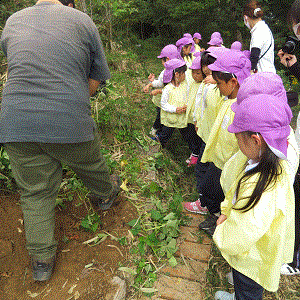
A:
153	131
229	277
209	222
286	269
105	204
154	138
42	269
195	207
193	160
221	295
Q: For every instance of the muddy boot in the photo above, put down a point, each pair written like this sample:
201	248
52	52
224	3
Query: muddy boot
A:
42	269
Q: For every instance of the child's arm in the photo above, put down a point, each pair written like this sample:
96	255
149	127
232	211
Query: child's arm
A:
147	87
166	106
156	92
241	230
159	83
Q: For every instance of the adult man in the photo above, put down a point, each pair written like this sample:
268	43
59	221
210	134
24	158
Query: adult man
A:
55	62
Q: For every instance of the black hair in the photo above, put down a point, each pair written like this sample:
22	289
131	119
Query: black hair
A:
294	13
206	60
181	69
250	7
222	76
269	169
67	2
181	51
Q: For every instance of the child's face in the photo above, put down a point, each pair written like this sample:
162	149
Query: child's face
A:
250	145
186	49
226	88
206	70
164	60
197	75
196	41
179	77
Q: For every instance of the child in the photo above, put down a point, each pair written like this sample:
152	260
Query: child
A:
229	70
167	53
216	40
195	91
174	105
197	38
236	46
255	231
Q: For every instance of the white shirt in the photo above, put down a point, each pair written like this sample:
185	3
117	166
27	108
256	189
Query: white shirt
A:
262	38
159	83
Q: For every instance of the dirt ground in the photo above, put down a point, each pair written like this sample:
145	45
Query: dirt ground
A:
71	279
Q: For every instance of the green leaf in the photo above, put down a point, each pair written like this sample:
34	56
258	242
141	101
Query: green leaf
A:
156	215
128	270
173	262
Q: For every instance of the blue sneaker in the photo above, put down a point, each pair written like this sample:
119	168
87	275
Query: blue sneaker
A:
221	295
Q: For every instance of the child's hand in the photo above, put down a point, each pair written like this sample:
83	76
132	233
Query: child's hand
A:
181	110
151	77
286	58
209	79
221	219
196	128
156	92
146	89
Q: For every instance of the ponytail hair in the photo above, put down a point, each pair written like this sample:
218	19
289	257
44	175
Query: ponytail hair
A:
269	169
253	10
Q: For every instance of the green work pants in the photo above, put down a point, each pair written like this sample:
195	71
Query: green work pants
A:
37	169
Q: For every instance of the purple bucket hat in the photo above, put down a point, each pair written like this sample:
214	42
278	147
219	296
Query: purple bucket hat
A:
184	41
188	35
268	116
170	66
197	36
216	35
169	51
234	62
247	53
196	64
215	42
236	46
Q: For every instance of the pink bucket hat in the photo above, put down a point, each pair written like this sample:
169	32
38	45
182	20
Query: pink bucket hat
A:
247	53
236	46
215	42
170	66
196	64
184	41
197	36
267	115
234	62
188	35
169	51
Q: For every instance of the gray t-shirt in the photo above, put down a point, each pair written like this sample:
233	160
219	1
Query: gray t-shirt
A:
51	51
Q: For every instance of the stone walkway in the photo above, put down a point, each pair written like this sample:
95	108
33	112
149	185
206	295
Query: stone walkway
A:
186	280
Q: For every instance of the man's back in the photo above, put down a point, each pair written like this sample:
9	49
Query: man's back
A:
52	51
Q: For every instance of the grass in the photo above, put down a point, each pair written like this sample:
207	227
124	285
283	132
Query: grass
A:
154	180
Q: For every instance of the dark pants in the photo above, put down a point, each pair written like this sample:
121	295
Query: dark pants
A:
212	192
245	288
188	133
157	125
296	260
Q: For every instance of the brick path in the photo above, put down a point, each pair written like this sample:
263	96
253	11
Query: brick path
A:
186	280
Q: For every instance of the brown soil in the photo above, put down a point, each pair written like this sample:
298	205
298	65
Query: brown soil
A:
16	281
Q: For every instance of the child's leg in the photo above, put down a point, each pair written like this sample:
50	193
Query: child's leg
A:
246	288
165	134
194	142
200	170
157	125
212	192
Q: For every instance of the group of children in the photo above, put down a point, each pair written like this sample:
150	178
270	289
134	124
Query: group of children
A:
237	127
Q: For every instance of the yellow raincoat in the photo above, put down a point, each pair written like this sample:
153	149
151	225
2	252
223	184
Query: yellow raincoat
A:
208	110
256	243
194	89
177	97
156	100
221	144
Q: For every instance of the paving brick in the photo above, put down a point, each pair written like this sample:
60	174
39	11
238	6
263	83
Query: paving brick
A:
192	270
192	234
173	288
194	251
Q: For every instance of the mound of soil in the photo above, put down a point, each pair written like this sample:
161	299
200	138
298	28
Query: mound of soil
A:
71	279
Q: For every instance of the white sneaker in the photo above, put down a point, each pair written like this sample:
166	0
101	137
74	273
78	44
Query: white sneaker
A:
153	131
221	295
229	277
286	269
